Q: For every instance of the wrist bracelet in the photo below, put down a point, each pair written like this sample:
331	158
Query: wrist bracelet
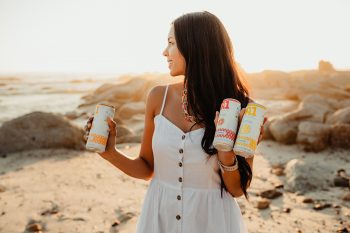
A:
228	168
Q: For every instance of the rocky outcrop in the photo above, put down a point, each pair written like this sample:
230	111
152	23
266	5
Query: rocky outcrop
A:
283	130
40	130
313	136
325	66
340	136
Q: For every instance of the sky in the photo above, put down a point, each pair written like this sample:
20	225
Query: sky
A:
129	36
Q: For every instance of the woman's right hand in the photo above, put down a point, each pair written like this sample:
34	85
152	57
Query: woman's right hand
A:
110	147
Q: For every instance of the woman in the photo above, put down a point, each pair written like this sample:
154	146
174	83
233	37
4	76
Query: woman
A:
188	193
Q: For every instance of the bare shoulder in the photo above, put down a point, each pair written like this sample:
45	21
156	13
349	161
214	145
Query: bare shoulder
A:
155	97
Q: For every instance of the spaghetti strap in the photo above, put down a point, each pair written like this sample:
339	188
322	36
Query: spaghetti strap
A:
166	90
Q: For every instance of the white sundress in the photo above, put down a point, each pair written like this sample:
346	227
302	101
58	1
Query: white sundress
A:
184	194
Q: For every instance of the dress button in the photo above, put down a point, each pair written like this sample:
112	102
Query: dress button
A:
181	151
178	197
178	217
180	179
183	137
180	164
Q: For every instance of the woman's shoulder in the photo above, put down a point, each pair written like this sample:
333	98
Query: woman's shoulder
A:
155	97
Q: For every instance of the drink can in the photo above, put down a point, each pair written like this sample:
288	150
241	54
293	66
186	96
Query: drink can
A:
226	128
249	130
98	135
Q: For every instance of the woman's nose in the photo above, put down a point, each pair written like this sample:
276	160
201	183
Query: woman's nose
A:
165	53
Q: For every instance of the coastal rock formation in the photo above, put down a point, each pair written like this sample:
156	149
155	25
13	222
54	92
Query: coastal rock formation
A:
40	130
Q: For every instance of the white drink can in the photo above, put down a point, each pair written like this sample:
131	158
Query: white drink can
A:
98	135
226	127
249	130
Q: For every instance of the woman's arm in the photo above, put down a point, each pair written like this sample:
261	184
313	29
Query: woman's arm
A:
232	179
142	166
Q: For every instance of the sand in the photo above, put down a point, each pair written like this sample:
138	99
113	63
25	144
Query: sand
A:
87	194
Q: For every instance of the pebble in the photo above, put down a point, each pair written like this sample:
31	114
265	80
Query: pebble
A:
308	200
346	197
286	210
270	194
342	230
262	204
277	171
34	227
278	186
116	223
319	206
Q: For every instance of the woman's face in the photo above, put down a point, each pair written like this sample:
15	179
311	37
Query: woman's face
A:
176	61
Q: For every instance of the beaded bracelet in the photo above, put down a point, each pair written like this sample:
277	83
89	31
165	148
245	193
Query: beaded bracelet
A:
228	168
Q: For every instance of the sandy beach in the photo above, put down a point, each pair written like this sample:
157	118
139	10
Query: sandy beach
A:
67	190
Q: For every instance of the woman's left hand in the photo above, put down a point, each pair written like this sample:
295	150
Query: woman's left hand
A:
239	123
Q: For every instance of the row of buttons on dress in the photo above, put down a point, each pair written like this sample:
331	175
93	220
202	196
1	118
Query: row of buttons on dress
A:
181	151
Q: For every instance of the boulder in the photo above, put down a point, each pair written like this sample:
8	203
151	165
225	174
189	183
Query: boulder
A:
302	177
267	134
341	116
343	103
313	136
123	130
313	108
340	136
40	130
128	110
283	130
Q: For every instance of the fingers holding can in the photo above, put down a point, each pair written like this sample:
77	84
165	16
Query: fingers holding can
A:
112	126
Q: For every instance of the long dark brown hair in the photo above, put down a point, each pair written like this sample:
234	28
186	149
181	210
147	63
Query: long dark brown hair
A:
211	76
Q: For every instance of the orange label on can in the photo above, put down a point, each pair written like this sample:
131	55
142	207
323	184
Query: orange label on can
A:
98	139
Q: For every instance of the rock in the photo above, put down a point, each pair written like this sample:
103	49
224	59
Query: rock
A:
321	206
130	139
53	210
341	182
40	130
127	90
284	131
270	194
340	136
267	134
302	177
286	210
343	103
72	115
325	66
313	136
2	188
279	186
277	171
123	130
126	111
308	200
116	223
313	108
126	217
262	204
346	197
341	116
342	230
34	227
